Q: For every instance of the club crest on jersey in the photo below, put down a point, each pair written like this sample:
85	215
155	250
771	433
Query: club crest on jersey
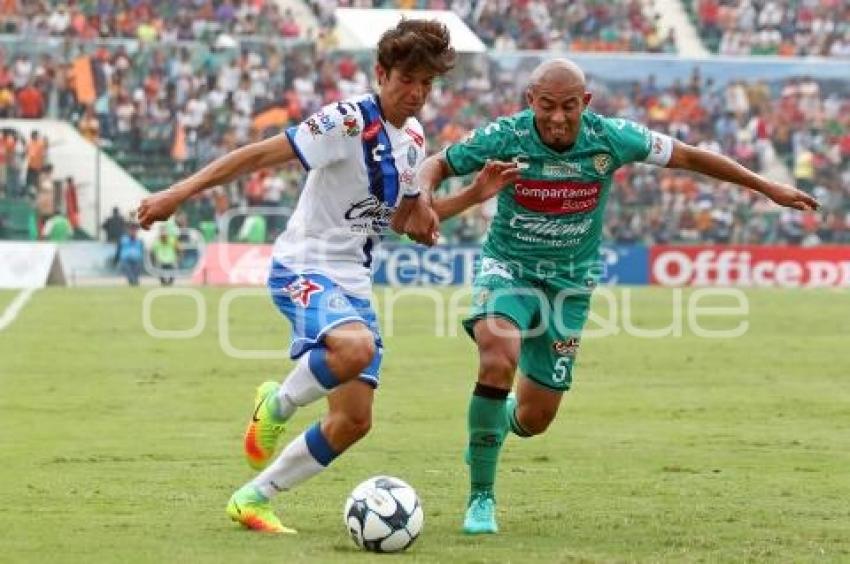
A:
602	162
352	129
418	139
371	130
337	302
314	128
302	290
568	347
411	155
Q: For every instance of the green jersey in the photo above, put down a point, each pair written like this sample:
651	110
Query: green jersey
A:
551	219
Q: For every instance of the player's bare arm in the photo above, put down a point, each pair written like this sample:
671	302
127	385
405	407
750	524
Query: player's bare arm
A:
270	152
723	168
495	176
416	218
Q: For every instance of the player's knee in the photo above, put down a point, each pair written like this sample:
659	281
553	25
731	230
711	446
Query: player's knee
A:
497	369
355	353
535	419
361	352
357	425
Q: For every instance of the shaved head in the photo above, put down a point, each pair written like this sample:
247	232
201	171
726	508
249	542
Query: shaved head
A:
562	71
557	94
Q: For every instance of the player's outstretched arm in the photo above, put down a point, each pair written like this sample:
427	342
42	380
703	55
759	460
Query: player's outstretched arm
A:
273	151
495	176
723	168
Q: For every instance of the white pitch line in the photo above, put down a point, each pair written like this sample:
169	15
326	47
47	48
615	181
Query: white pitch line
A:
15	307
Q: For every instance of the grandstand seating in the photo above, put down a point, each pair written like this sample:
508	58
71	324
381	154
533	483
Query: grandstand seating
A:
773	27
163	111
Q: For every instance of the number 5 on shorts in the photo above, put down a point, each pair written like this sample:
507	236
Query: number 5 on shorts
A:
562	370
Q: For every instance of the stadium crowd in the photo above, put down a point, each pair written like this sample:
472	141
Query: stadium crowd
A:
178	108
775	27
148	21
507	25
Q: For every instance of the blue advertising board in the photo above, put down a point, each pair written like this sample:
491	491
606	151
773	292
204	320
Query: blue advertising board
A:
446	265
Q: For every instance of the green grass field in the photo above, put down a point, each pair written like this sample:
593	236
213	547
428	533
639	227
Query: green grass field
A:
119	447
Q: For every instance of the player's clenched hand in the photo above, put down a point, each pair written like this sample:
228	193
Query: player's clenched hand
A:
492	178
423	224
790	197
158	207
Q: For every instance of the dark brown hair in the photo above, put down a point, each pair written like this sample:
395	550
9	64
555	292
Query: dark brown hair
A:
416	44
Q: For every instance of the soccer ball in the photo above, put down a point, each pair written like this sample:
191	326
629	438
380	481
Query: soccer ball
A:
383	514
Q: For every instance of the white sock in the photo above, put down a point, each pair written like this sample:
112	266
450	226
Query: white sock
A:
309	380
303	458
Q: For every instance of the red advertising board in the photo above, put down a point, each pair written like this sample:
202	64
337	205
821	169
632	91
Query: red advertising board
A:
232	264
750	266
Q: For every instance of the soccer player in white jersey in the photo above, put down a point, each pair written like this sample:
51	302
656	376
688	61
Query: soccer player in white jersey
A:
362	154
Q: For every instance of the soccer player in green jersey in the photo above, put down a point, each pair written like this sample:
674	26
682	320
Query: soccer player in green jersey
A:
540	259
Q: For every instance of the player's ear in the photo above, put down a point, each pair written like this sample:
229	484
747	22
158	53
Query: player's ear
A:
379	73
587	98
529	96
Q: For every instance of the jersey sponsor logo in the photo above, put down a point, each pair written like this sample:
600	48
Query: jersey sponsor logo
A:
352	129
602	162
412	155
557	196
418	139
407	177
521	162
482	297
538	225
561	169
372	131
492	267
379	151
326	121
567	347
491	127
369	215
657	144
302	290
314	128
344	107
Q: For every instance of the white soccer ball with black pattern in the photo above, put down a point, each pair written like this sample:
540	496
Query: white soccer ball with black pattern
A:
383	514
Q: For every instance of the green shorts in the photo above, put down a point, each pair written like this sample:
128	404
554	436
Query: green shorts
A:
550	314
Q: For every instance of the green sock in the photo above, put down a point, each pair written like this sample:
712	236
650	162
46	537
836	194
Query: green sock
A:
516	427
487	428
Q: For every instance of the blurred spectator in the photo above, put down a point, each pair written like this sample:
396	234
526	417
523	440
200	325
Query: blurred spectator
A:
72	205
57	229
164	254
30	102
36	158
114	226
253	229
129	253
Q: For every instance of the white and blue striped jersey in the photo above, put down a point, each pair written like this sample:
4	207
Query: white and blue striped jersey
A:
360	166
